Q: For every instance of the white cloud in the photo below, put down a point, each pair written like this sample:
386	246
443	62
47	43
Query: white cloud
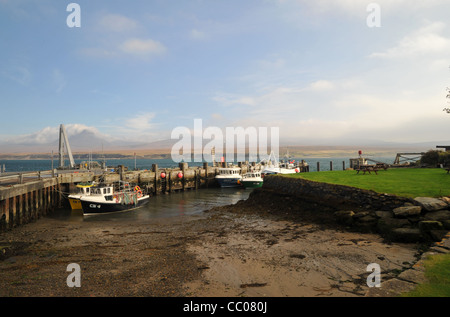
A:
118	36
141	122
142	47
322	85
51	134
117	23
427	40
197	35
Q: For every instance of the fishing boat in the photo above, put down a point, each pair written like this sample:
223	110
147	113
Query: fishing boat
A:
83	189
229	176
252	180
272	166
104	199
276	169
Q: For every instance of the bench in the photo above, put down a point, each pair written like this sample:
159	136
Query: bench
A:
367	168
381	166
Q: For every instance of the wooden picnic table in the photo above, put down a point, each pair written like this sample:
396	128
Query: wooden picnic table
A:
367	168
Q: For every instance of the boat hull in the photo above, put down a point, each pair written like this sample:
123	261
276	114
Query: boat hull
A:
251	184
93	207
75	203
228	182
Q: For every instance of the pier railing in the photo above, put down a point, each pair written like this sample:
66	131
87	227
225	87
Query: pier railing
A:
22	177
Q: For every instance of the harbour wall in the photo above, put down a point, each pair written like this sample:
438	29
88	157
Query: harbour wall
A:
24	203
400	219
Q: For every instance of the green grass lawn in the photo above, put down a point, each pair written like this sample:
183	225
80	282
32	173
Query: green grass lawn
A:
437	271
406	182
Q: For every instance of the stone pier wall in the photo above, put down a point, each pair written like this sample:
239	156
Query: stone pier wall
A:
397	218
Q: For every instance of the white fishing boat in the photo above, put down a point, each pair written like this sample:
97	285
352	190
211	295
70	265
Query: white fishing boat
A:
252	180
229	176
272	166
105	199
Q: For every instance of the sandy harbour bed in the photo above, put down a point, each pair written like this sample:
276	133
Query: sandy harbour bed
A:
232	251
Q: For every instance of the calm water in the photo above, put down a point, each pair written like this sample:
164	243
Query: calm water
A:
178	204
143	164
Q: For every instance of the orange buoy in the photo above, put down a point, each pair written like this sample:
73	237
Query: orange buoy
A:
163	175
180	175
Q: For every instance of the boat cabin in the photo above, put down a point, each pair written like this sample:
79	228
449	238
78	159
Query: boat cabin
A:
252	175
230	171
105	192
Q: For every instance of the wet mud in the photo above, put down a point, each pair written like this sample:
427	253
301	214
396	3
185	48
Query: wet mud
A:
245	249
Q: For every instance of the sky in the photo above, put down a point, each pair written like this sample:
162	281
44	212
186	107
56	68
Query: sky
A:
136	70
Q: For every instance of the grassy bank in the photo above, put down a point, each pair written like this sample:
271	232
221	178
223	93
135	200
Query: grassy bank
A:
437	272
406	182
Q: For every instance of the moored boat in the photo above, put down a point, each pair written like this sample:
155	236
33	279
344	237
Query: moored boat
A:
84	189
252	180
272	166
105	199
229	176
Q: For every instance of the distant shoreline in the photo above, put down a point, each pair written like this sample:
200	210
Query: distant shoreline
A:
301	152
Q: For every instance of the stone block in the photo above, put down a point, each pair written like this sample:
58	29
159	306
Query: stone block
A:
406	211
383	214
345	217
407	235
439	215
431	204
388	224
428	225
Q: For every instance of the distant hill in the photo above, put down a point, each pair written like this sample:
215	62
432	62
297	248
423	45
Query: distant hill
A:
84	140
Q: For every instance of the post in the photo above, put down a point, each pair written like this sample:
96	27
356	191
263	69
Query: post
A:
5	212
183	167
36	204
196	172
20	211
155	170
121	172
318	166
331	165
205	167
343	165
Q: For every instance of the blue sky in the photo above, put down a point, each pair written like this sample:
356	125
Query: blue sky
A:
135	70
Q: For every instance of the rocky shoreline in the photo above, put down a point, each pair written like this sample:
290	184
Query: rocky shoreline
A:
399	219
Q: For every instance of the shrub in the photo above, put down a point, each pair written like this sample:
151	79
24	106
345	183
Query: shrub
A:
430	158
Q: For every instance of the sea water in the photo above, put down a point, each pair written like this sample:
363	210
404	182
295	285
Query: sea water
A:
146	164
177	204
